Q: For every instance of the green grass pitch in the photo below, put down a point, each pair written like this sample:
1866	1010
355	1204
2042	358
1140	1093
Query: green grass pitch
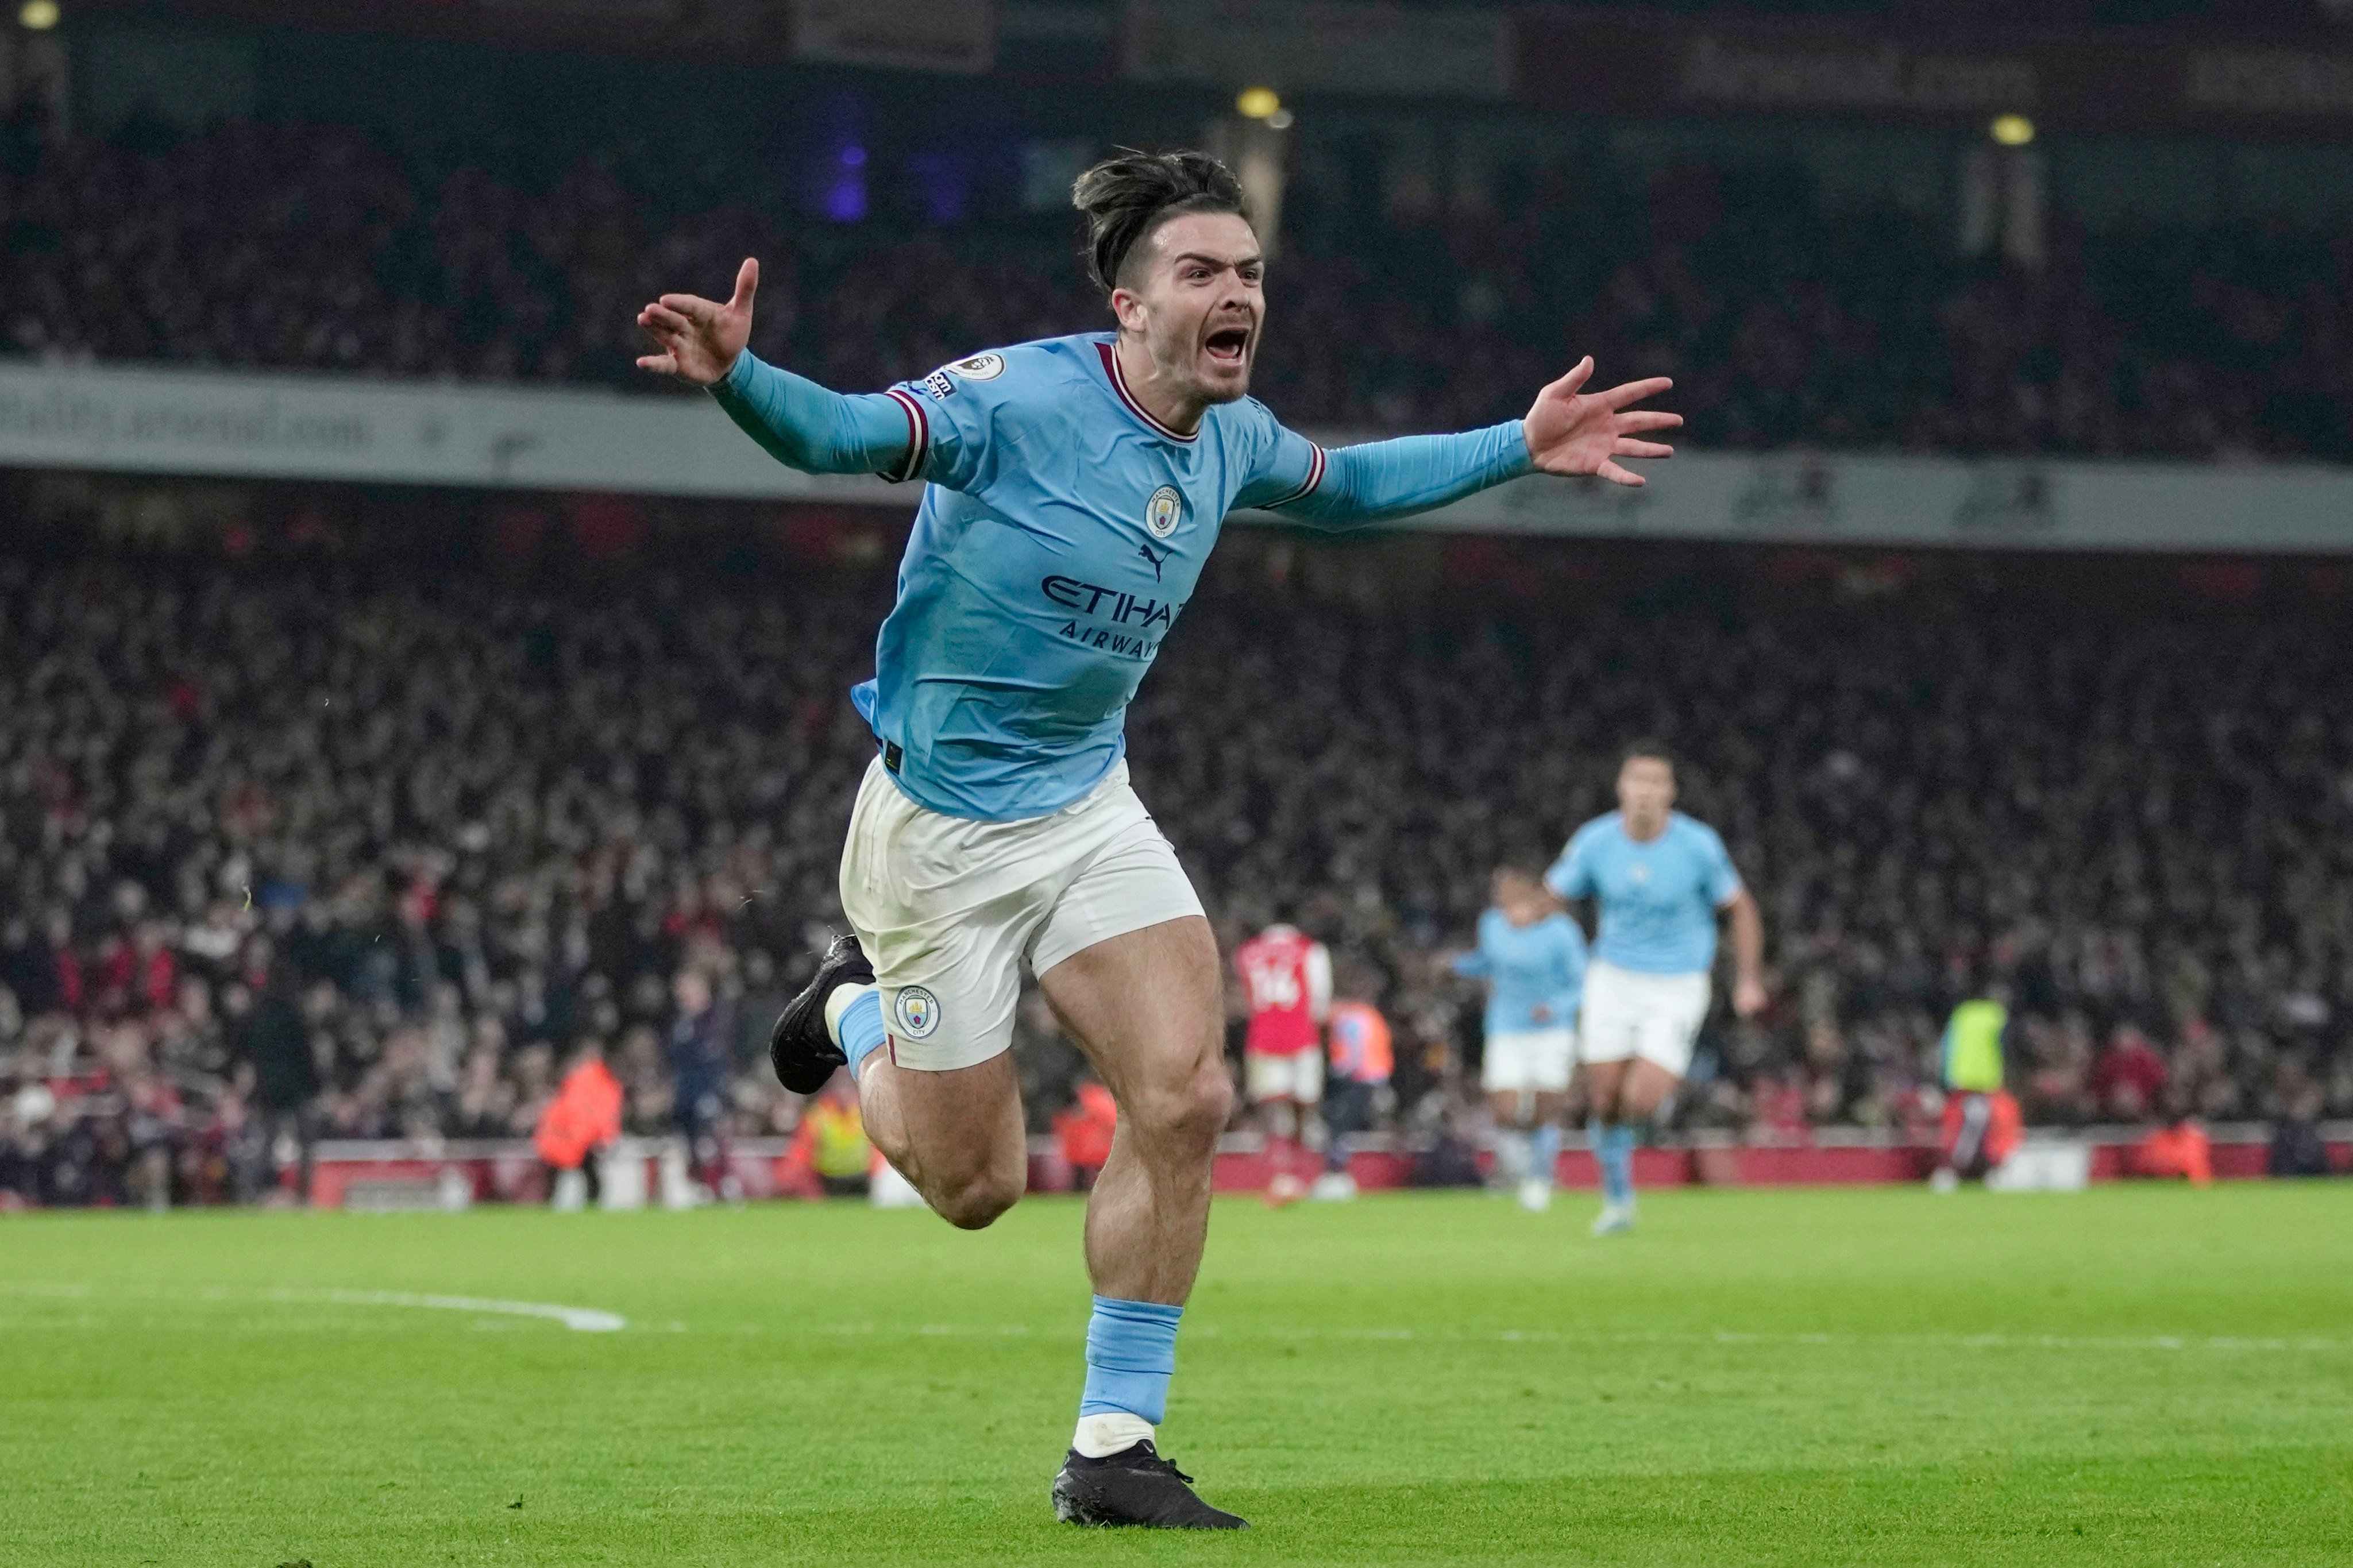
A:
2131	1375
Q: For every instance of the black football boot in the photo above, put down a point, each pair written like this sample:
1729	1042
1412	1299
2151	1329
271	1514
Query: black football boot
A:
1135	1486
800	1050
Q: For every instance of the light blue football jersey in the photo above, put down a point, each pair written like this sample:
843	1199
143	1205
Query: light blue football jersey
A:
1658	900
1062	532
1528	969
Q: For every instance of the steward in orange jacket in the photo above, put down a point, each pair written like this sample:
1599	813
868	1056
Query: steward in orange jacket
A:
581	1120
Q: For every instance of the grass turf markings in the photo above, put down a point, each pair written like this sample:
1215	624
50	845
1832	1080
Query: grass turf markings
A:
1785	1378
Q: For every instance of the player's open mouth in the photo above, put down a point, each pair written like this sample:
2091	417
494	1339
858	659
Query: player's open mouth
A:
1228	344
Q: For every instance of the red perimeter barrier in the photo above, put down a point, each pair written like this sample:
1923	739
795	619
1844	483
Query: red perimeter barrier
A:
393	1174
2237	1153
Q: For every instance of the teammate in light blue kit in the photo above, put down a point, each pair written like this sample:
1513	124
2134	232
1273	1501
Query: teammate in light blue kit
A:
1659	880
1074	488
1532	956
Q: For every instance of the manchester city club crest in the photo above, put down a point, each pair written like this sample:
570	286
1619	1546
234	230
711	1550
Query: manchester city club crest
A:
980	367
1164	511
919	1012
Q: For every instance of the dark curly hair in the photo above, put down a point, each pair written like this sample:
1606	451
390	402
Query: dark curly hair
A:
1128	197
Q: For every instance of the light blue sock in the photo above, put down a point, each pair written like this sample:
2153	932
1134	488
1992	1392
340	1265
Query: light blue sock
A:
1544	1153
1130	1354
1613	1151
861	1031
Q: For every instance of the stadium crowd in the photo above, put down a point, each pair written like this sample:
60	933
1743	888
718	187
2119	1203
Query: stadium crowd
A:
290	850
306	246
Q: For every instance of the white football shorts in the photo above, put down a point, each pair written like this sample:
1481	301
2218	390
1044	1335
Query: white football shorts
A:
947	909
1298	1076
1653	1016
1528	1061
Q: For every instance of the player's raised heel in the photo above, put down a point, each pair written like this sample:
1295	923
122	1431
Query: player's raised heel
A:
1135	1486
803	1054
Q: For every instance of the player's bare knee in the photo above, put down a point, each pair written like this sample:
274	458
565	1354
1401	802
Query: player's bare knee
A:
976	1204
1205	1104
1188	1109
892	1145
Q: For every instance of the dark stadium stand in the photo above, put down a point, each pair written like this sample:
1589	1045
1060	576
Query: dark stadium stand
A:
301	246
421	829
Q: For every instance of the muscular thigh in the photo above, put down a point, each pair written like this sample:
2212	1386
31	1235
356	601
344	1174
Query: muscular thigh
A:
1146	1006
956	1124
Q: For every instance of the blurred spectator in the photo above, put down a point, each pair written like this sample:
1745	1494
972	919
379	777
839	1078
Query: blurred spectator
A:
274	1044
1981	1120
700	1041
1362	1058
2181	1147
1084	1131
580	1124
2296	1149
831	1142
2129	1080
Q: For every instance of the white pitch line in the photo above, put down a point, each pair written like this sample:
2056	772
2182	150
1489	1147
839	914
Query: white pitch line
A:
582	1320
1573	1337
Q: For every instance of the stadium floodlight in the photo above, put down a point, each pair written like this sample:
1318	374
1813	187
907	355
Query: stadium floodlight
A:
38	16
2011	130
1258	104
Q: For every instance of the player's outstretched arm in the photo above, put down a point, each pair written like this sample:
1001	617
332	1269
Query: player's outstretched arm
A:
800	424
1382	479
1566	432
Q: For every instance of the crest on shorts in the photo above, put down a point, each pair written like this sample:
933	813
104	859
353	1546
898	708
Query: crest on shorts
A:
980	367
1164	511
919	1012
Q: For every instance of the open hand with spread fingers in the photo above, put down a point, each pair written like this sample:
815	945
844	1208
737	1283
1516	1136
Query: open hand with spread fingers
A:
698	338
1570	432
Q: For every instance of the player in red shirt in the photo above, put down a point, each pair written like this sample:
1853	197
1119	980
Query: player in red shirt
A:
1286	979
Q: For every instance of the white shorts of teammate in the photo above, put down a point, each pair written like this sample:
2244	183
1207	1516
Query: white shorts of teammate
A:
1297	1076
947	909
1628	1013
1529	1061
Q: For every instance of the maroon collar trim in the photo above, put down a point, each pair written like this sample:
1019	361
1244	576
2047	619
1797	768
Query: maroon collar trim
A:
1119	384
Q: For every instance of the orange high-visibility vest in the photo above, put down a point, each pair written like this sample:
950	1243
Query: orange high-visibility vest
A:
586	1114
1360	1043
